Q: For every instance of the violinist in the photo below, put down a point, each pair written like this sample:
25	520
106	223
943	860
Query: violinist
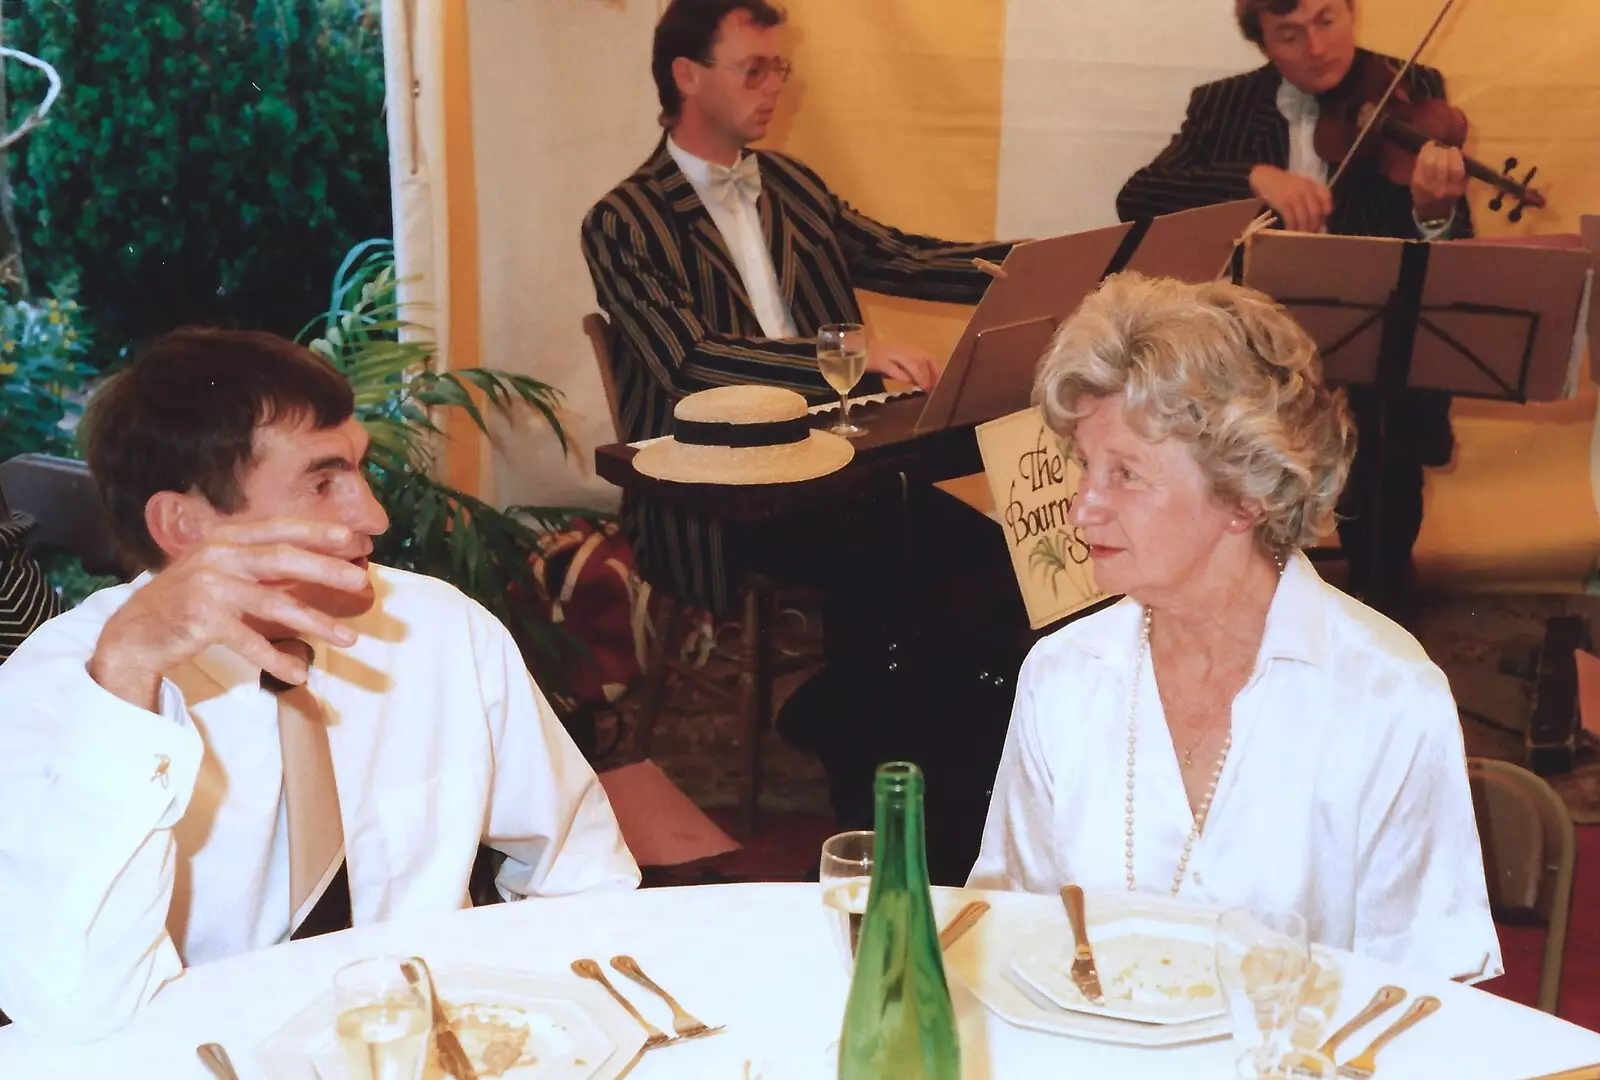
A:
1256	135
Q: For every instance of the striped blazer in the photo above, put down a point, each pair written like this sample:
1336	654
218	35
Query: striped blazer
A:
682	321
1234	125
26	598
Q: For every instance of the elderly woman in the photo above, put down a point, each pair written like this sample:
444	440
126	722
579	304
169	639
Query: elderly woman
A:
1234	731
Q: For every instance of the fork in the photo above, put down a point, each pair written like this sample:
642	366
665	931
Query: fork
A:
654	1036
686	1026
1364	1064
1385	999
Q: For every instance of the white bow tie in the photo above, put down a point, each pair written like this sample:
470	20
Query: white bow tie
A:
742	181
1295	104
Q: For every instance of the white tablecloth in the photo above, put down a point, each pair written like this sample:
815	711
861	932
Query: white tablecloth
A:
760	959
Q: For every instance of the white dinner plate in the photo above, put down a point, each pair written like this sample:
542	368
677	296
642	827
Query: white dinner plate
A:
1152	970
1021	926
574	1030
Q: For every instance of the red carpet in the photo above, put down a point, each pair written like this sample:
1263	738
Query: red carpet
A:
1523	947
788	845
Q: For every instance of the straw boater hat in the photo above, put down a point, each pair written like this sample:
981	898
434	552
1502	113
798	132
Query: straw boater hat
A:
743	435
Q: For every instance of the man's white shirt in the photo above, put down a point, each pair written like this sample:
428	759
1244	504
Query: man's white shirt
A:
133	843
739	221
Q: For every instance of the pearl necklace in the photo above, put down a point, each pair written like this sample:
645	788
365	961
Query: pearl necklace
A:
1279	563
1133	741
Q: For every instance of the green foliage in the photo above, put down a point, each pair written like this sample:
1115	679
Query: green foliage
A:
74	584
436	529
208	161
42	374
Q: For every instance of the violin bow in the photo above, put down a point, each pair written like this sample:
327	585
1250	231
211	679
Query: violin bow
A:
1377	110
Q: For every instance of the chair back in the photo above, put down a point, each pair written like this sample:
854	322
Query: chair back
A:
599	332
1529	853
60	496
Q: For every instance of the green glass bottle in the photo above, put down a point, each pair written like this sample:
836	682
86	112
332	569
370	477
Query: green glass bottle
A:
899	1023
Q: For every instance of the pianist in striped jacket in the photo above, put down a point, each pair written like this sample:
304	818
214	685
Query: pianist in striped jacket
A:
716	264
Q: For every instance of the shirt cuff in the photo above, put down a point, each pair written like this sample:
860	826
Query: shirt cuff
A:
1463	947
1437	233
146	761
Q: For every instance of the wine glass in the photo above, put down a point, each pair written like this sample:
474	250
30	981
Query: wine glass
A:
842	358
384	1018
1262	957
846	876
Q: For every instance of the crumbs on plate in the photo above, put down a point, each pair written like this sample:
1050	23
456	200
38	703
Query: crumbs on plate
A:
495	1038
1149	970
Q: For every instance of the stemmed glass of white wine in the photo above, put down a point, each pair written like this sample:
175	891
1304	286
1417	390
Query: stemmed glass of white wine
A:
846	876
1262	958
384	1019
842	357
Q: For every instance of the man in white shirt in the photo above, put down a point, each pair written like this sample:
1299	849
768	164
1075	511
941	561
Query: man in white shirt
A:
1252	135
265	734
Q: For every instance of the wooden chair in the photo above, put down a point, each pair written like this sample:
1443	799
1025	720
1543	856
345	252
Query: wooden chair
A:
758	664
60	496
1529	852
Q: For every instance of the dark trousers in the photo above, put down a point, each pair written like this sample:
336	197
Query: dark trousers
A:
924	631
1385	496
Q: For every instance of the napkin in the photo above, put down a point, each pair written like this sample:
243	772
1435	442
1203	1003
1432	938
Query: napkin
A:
659	823
1588	691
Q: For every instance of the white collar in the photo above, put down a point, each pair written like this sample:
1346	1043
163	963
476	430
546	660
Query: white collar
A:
1295	627
696	169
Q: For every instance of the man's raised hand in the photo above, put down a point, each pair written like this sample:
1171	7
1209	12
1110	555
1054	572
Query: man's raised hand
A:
233	589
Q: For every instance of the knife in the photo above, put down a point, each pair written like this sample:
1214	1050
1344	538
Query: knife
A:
1084	975
451	1053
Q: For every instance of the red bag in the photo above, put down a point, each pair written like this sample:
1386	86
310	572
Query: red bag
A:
587	584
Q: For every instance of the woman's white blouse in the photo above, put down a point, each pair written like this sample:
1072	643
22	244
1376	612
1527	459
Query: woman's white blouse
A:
1344	797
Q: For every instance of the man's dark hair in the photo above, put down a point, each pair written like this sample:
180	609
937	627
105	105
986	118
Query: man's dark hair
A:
183	416
689	28
1248	12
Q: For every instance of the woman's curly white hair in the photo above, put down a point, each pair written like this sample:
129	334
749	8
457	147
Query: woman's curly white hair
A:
1223	368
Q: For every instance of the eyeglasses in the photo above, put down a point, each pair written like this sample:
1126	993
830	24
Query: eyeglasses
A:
756	71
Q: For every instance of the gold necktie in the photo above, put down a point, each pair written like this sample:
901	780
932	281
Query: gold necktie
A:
310	794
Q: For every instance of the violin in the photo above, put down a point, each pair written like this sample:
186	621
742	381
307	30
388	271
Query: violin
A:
1370	116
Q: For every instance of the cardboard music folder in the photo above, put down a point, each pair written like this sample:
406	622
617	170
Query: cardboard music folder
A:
1589	228
1485	320
1497	321
990	372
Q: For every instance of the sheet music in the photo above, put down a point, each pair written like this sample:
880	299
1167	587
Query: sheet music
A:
817	410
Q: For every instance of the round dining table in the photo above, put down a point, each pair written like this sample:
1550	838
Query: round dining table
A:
762	960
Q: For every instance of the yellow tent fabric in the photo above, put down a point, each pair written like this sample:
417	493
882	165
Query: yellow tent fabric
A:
898	106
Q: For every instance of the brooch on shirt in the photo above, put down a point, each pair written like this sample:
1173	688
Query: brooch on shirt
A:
163	763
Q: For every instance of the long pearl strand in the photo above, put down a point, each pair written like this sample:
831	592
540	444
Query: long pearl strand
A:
1133	741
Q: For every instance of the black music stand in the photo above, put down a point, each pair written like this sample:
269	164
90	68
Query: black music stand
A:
1494	321
990	372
